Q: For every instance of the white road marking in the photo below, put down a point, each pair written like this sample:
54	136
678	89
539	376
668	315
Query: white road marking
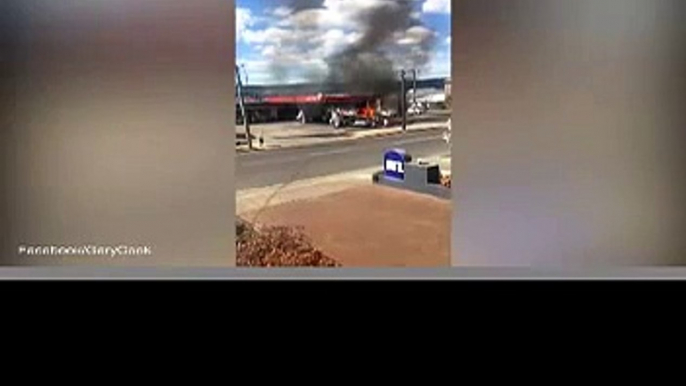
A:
271	161
413	140
331	152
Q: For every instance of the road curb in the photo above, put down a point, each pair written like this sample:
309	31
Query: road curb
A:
400	131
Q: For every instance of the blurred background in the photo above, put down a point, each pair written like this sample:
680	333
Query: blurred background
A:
115	129
568	120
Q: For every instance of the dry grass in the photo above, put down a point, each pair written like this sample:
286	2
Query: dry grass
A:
277	246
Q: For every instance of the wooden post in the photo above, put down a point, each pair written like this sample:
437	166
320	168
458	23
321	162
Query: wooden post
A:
403	100
241	101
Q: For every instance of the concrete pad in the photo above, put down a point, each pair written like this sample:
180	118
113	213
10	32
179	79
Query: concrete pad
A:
253	200
372	226
443	162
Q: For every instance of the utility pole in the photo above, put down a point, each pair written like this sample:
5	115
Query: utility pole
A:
403	99
414	87
241	101
247	81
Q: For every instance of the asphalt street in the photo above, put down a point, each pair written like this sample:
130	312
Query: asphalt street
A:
278	166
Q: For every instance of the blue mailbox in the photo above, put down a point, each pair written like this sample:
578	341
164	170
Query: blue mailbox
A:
394	163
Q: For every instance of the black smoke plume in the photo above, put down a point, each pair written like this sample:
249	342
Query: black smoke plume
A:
371	64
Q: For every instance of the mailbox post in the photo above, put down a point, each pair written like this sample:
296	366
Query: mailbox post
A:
399	171
394	164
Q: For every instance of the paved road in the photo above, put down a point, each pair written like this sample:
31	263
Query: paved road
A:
260	169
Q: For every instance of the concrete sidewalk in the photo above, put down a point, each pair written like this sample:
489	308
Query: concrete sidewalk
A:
254	200
287	135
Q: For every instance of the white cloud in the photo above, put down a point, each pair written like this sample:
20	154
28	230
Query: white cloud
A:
334	13
269	51
448	40
261	71
335	39
436	6
439	67
281	11
310	33
415	35
292	46
244	20
263	36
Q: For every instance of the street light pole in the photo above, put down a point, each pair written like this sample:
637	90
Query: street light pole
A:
414	87
241	101
403	100
245	72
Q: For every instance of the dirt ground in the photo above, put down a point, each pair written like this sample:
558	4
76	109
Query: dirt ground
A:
372	226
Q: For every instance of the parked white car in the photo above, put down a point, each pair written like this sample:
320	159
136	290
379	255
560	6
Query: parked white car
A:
416	109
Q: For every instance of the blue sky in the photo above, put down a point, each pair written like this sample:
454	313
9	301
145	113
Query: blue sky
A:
277	45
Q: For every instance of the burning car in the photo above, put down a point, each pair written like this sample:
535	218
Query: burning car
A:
365	116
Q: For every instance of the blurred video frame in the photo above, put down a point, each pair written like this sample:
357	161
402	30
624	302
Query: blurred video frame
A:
343	133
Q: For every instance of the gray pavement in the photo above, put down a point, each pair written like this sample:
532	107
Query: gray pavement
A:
280	166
